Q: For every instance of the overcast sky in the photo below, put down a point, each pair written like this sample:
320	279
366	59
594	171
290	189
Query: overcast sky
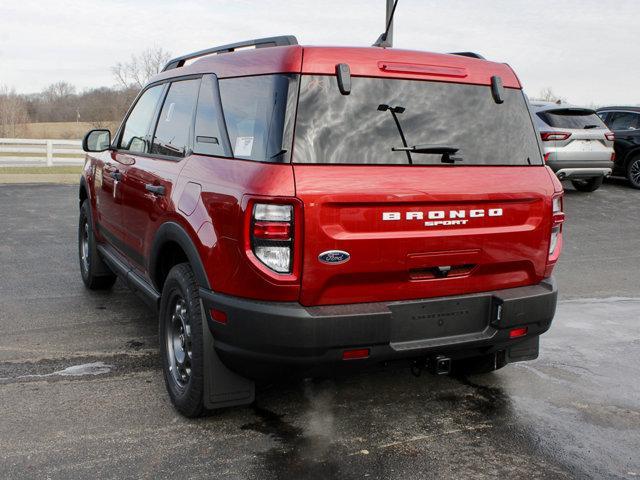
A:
586	50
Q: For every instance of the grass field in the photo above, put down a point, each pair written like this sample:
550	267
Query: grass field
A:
60	130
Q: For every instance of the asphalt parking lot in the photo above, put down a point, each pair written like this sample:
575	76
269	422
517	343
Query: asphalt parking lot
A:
82	394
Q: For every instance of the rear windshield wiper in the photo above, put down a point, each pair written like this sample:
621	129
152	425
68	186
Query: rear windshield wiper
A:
589	127
445	150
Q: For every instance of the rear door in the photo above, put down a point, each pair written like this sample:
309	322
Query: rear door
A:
413	226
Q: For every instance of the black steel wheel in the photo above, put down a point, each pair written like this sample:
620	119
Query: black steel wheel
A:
181	345
95	274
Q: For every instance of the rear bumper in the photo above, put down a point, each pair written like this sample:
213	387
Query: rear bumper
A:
262	336
573	173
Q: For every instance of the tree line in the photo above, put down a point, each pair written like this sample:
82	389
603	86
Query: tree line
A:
61	102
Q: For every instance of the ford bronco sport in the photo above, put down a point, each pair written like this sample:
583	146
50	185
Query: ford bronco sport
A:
291	209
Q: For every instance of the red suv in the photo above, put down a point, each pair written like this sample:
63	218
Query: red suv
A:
291	209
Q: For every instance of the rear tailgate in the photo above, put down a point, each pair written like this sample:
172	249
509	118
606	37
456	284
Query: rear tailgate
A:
421	231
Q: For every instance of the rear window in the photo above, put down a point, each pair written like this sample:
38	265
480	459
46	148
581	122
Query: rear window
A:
360	128
572	118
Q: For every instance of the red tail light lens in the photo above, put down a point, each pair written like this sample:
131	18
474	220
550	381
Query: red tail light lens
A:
556	228
554	136
610	136
271	235
613	156
272	230
546	157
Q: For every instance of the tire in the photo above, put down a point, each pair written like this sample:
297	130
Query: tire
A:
588	184
479	365
95	273
181	343
633	171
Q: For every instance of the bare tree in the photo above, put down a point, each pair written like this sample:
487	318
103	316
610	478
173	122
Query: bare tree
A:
547	95
13	113
140	68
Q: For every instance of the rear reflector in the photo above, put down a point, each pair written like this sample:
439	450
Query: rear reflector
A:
613	156
518	332
355	354
546	157
218	316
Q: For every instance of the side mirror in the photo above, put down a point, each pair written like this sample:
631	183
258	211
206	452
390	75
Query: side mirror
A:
97	141
343	73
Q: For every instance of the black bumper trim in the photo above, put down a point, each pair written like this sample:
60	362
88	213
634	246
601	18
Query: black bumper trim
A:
289	333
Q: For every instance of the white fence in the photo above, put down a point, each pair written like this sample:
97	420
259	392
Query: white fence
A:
37	153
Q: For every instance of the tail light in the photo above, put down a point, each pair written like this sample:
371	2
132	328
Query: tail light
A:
271	235
610	136
554	136
556	228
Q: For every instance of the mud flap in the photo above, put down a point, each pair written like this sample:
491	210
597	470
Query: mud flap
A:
222	387
526	350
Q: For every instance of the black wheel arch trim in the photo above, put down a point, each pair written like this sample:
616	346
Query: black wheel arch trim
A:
85	186
173	232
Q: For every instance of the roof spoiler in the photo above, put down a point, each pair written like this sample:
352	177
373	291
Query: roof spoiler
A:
469	54
281	41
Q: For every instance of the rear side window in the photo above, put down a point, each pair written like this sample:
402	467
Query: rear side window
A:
134	135
360	128
573	118
209	127
171	137
255	110
624	121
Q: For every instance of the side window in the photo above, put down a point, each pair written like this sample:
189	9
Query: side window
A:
209	127
255	113
171	137
603	117
624	121
134	135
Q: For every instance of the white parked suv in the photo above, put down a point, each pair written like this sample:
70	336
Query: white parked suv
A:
578	146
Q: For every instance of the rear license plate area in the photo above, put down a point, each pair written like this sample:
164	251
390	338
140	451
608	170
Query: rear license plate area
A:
439	318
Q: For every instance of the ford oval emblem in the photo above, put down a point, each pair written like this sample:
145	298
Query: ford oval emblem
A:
334	257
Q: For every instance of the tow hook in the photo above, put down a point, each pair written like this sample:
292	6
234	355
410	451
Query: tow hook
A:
440	365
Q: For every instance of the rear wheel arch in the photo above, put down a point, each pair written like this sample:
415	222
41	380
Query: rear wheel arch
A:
172	245
631	155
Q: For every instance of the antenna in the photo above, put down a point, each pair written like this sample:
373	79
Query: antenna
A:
385	40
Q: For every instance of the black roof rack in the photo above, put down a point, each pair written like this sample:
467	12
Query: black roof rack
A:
280	41
468	54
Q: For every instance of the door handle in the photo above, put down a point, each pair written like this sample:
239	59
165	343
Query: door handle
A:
155	189
116	175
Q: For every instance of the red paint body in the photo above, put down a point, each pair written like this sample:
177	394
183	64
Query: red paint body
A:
338	206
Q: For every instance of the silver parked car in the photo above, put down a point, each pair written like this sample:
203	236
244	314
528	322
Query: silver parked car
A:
578	146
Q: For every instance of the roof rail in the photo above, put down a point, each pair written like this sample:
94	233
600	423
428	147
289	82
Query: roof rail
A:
280	41
468	54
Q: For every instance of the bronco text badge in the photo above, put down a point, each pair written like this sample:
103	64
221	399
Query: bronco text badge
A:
436	218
